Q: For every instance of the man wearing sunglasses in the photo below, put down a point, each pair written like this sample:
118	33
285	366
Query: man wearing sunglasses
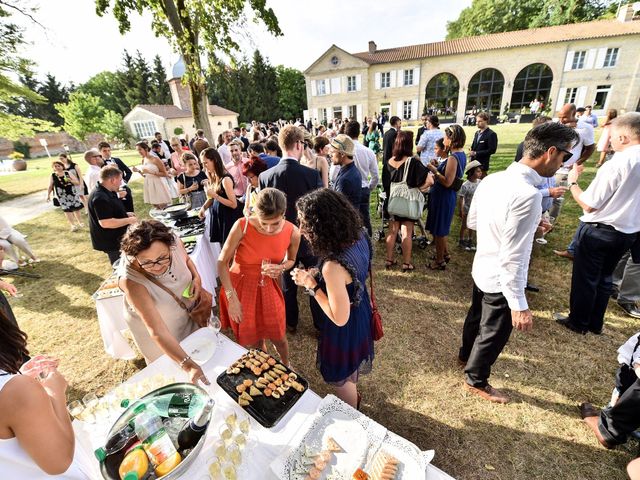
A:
505	212
609	227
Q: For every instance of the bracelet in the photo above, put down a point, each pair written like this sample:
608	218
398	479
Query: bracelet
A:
229	293
184	360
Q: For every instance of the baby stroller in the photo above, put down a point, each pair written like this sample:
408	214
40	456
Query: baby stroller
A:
379	235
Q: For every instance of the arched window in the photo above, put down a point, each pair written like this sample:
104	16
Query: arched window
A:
533	81
485	91
441	96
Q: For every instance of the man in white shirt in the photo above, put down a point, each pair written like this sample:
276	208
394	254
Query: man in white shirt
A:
367	163
223	149
505	212
92	175
609	227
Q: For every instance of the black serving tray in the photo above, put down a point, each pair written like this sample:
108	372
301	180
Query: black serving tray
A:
268	411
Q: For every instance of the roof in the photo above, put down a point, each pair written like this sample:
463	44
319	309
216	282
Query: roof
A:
519	38
171	111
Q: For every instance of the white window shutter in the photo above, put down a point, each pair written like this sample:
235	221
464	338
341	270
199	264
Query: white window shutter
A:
591	58
400	78
329	114
414	108
345	111
602	53
377	76
399	111
580	96
359	113
416	76
569	60
358	82
393	79
561	94
314	88
343	84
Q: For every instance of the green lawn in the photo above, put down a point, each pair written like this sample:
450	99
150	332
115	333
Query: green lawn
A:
415	388
36	177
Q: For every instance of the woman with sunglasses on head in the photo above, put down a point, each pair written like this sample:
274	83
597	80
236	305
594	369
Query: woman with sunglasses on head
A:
192	181
442	198
36	436
154	258
262	247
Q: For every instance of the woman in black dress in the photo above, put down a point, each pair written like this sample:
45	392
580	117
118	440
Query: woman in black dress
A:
72	167
224	207
64	183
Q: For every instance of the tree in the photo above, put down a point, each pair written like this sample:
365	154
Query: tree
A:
141	84
12	125
160	93
112	127
128	80
263	77
55	93
191	27
292	92
493	16
107	87
83	115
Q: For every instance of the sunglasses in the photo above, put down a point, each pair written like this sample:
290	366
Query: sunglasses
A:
567	154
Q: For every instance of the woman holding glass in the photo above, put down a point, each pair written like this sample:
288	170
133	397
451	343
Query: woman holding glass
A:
262	247
36	436
192	181
155	261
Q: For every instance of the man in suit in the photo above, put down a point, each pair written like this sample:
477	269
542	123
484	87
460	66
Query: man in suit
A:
421	129
485	142
105	151
166	146
388	140
294	180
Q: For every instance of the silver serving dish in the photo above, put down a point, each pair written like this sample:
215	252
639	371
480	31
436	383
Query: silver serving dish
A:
128	415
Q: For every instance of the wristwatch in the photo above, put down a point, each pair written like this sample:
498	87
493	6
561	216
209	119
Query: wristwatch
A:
312	291
571	185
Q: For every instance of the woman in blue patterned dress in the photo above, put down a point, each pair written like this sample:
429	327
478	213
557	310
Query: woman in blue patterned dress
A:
442	198
334	230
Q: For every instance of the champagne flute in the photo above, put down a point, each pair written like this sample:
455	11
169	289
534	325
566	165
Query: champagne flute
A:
215	325
265	262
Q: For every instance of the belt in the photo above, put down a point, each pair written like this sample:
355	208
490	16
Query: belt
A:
603	226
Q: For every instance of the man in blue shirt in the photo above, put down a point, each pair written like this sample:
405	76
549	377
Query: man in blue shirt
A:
258	149
349	181
589	117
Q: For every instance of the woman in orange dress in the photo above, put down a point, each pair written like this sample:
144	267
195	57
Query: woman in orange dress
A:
262	247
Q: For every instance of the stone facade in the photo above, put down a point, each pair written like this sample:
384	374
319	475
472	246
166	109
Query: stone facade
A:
605	74
55	142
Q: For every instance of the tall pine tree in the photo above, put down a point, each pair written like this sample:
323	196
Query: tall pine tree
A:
263	76
55	93
142	80
160	93
127	81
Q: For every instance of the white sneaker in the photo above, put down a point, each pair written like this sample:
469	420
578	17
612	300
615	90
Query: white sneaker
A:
74	228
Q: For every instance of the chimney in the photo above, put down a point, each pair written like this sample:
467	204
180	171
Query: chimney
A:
626	13
372	47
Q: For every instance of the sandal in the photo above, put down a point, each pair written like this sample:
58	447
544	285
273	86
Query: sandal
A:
390	263
447	258
408	267
437	265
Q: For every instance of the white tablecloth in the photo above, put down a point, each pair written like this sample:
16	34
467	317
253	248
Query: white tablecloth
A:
270	442
111	310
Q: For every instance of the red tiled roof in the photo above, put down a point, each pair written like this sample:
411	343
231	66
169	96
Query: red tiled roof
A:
519	38
171	111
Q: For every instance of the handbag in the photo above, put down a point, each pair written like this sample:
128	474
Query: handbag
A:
456	184
199	312
56	202
376	318
404	201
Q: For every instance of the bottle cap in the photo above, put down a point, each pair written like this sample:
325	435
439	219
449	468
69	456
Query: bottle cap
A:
124	403
131	476
100	454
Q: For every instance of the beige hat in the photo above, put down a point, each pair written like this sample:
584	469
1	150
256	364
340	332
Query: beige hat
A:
343	144
471	165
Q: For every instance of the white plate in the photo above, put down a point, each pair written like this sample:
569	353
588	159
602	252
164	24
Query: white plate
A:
200	349
412	461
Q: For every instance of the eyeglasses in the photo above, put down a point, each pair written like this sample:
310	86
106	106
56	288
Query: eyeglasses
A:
160	262
567	154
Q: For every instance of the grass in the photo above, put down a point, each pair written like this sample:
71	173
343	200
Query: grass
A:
415	388
36	177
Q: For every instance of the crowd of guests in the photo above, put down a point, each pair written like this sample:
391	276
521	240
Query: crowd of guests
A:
290	206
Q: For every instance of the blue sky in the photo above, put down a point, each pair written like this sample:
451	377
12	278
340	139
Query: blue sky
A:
77	44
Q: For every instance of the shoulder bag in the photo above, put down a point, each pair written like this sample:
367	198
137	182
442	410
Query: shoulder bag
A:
458	181
376	318
199	312
404	201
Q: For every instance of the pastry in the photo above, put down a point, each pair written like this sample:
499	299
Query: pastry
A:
247	382
241	388
275	394
333	446
242	402
246	396
254	392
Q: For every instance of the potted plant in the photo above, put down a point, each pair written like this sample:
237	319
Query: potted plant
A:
19	164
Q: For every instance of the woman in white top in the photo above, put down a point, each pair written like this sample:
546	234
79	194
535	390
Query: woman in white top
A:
315	160
155	189
36	437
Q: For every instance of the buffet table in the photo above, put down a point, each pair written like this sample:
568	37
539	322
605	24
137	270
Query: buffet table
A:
268	445
110	307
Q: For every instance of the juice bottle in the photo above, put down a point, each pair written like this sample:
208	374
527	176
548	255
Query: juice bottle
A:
156	443
136	461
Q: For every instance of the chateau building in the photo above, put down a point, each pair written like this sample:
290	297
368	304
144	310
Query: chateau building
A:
592	63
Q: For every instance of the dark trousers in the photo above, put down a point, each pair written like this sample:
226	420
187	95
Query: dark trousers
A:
114	256
598	250
618	421
128	200
364	209
486	331
290	292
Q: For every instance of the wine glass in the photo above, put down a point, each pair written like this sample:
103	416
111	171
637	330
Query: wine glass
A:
215	325
265	262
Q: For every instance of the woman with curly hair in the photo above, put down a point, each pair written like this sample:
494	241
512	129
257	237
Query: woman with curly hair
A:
442	199
334	230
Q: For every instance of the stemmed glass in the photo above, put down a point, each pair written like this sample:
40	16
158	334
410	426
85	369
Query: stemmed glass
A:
265	262
215	325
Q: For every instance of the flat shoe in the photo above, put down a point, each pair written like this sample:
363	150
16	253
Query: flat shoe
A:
390	263
437	266
564	254
488	393
592	423
408	267
588	410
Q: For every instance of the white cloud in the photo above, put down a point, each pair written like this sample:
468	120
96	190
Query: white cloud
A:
78	44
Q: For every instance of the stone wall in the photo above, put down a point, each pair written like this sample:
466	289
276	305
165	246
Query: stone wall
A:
55	142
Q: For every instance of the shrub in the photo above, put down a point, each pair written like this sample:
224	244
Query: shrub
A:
16	156
22	148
